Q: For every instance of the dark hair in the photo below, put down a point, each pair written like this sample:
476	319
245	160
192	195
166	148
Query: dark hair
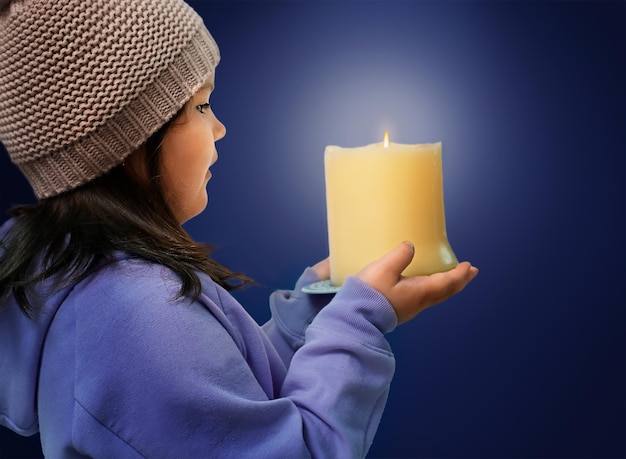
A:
68	236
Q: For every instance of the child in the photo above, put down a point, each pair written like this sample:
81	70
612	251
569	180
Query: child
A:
118	337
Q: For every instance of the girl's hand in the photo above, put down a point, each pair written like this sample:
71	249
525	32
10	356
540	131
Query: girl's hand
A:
411	295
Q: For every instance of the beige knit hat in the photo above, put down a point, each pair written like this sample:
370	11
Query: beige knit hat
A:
83	83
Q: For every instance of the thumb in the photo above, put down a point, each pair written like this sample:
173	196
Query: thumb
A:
392	263
399	258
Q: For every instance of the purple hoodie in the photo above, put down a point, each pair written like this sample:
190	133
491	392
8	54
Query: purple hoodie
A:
115	366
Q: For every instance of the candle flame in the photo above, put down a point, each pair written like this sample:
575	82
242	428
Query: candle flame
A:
386	139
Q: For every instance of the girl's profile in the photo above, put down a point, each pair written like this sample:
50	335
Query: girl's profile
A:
118	334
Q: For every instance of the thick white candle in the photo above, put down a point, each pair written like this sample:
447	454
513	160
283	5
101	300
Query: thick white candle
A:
378	196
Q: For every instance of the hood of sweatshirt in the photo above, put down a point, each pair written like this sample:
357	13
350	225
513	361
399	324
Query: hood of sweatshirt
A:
21	347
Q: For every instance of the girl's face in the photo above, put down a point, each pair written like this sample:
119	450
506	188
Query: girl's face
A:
187	152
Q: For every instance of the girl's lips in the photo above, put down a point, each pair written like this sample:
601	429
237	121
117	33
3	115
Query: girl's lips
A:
208	172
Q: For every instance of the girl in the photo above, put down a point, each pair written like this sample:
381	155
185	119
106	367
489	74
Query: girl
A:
118	337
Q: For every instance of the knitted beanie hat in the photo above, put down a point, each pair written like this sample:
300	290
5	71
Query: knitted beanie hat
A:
84	83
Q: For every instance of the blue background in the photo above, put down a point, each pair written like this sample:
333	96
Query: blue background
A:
529	101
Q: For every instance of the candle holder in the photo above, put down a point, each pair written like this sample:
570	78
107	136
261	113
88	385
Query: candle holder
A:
378	196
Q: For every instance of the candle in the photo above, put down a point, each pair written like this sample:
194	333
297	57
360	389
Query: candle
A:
380	195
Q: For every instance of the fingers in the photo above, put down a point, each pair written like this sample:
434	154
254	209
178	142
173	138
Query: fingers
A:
441	286
414	294
322	269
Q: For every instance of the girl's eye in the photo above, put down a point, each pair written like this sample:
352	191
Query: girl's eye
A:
202	107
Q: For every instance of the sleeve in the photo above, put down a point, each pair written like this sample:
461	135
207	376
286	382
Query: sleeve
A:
167	380
340	377
292	312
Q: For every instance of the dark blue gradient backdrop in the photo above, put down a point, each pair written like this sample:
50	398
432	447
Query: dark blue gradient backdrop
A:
529	101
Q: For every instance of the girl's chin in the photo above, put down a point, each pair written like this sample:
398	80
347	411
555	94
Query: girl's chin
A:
190	212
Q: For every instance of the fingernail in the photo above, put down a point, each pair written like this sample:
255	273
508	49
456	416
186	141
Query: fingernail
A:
410	244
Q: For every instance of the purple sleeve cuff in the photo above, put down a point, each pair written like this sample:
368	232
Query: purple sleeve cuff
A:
359	311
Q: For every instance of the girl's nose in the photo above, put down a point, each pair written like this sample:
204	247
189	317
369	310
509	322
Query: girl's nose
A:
219	130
